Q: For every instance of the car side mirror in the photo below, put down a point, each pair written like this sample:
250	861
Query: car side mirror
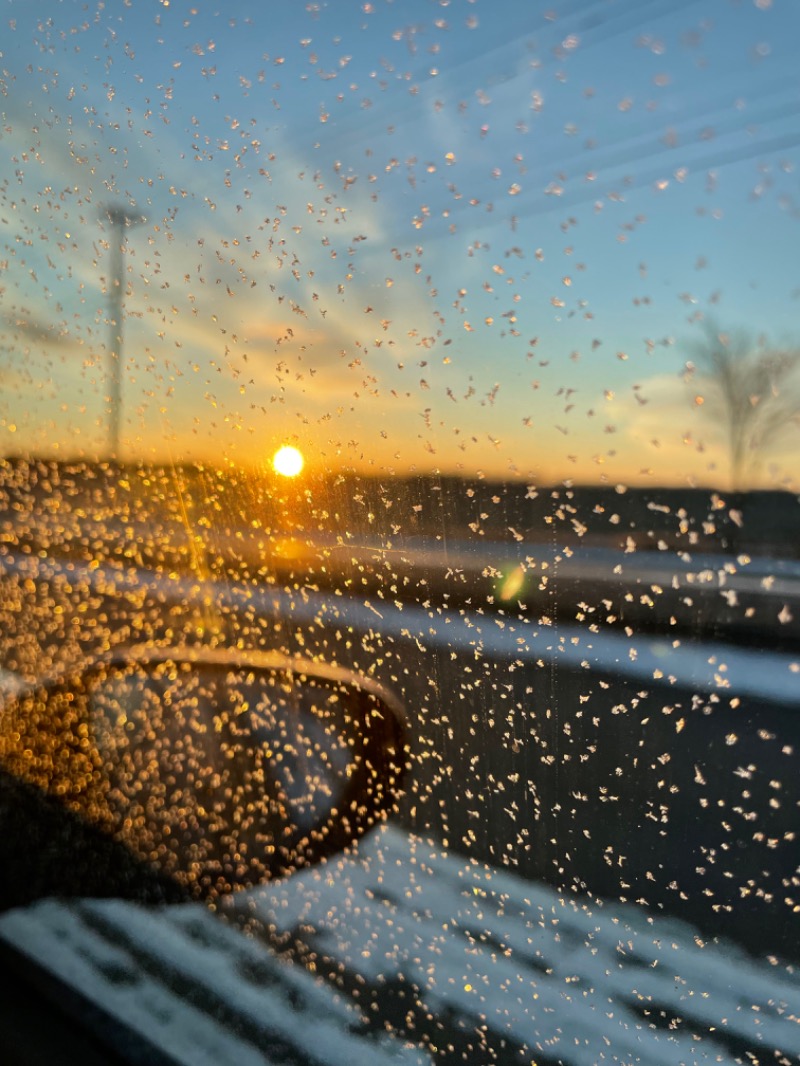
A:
217	769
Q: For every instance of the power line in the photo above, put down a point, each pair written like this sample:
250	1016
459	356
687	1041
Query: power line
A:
691	113
635	151
704	163
366	127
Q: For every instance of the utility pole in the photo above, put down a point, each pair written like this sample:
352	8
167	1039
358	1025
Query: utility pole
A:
120	220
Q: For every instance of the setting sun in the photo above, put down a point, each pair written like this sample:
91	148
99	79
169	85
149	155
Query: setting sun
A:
288	461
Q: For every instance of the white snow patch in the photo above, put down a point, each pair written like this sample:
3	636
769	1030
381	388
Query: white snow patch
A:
553	974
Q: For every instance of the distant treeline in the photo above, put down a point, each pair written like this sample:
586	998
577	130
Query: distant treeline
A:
428	506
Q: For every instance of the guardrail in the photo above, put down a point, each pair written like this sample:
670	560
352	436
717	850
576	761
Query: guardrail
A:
750	600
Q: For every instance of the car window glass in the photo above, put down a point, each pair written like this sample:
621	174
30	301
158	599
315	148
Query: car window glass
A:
454	344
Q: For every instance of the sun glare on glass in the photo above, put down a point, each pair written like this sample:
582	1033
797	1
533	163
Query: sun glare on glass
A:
287	461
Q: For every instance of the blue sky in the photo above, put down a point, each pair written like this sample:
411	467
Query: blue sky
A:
460	235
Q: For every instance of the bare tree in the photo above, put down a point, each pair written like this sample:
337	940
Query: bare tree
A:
757	390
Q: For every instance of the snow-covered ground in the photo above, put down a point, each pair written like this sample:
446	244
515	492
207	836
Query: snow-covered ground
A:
401	953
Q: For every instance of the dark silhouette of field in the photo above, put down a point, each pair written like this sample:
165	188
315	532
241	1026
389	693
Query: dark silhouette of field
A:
41	500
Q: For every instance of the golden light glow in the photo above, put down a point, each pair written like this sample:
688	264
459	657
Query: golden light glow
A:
288	461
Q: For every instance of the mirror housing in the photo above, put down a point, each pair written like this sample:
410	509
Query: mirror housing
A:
214	769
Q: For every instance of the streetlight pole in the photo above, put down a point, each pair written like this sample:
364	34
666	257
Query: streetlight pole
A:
120	220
